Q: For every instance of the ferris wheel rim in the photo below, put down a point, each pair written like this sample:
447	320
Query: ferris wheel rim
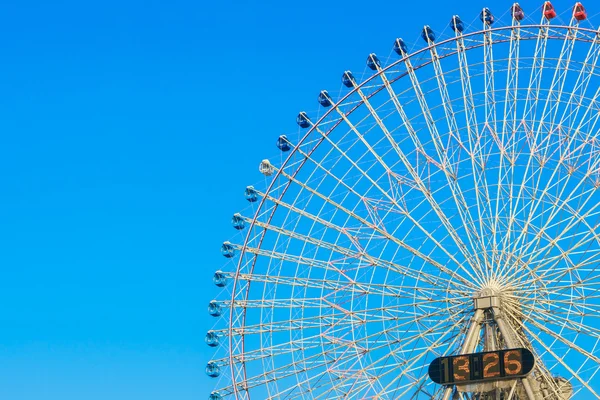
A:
295	148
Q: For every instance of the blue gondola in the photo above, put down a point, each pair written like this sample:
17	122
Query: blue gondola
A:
325	99
215	396
213	370
250	194
220	279
302	120
227	250
373	62
427	34
214	308
283	144
400	47
348	79
237	221
211	339
456	24
486	16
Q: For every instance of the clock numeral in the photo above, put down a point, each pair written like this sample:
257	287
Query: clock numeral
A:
491	365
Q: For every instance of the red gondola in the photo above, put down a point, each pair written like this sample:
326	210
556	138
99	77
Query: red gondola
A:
517	12
548	10
579	12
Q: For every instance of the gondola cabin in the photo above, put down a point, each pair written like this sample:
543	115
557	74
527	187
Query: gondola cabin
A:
348	79
220	279
283	144
324	99
211	339
227	250
302	120
400	47
579	12
548	10
214	308
237	221
427	34
213	370
373	62
456	24
517	12
486	16
250	194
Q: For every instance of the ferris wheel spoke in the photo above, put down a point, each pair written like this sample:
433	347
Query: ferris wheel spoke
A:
481	191
441	338
530	103
430	295
509	129
348	256
414	175
551	317
451	176
561	361
394	239
319	360
573	221
561	339
558	82
384	367
478	160
386	235
490	123
397	207
391	212
548	267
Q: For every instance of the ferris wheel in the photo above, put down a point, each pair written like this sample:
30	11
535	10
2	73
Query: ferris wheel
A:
434	232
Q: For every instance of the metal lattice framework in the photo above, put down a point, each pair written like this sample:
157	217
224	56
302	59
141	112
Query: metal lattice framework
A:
470	166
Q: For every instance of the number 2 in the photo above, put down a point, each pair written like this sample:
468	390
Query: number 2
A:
491	367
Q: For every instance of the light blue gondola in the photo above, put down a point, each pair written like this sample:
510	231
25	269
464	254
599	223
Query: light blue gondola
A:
212	369
214	308
227	250
237	221
220	279
211	339
250	194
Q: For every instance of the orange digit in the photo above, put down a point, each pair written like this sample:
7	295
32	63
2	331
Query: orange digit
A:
461	368
512	362
490	361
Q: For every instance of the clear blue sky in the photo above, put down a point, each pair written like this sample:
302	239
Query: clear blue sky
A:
129	131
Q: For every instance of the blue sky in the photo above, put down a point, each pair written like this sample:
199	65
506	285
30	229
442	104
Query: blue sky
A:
129	131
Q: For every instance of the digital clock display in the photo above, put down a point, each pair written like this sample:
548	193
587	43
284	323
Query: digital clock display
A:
477	367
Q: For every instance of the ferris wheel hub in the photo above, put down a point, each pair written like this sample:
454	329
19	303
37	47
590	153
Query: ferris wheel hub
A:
486	299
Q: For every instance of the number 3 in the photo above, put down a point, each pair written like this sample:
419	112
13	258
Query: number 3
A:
461	368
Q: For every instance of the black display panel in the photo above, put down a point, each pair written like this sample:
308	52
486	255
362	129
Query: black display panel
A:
478	367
